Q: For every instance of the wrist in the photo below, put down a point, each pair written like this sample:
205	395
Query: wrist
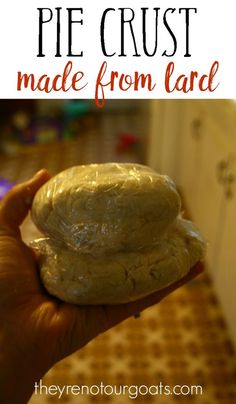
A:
19	371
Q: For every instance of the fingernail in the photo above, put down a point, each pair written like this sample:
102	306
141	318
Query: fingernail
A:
39	173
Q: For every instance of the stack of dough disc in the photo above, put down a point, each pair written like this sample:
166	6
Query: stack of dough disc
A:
112	234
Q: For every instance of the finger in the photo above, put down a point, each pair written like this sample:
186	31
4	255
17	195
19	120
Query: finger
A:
17	202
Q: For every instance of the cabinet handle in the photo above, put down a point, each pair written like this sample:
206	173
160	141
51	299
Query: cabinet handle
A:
226	176
196	129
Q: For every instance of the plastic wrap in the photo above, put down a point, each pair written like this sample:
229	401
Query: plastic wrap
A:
104	208
112	234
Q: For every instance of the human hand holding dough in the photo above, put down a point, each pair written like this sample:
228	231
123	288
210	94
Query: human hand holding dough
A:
113	234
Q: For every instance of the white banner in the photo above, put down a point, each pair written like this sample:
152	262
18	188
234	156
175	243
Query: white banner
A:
119	49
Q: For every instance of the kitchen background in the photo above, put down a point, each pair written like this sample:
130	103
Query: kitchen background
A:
190	337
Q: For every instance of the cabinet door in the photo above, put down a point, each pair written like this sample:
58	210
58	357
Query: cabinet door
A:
225	254
201	148
208	206
189	153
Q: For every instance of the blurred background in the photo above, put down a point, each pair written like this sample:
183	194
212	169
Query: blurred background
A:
190	337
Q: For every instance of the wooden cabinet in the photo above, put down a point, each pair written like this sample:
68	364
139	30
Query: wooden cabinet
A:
197	145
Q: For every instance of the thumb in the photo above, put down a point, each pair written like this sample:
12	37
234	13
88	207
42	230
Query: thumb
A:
17	202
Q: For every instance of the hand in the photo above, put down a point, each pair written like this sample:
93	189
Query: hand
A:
38	330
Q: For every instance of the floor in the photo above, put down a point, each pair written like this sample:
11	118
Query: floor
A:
181	341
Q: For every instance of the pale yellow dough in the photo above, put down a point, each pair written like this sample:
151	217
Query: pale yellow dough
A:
114	234
104	208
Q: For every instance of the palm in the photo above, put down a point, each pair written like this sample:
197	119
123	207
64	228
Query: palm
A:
23	283
31	315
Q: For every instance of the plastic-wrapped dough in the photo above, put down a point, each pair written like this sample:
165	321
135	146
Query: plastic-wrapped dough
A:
104	208
113	234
